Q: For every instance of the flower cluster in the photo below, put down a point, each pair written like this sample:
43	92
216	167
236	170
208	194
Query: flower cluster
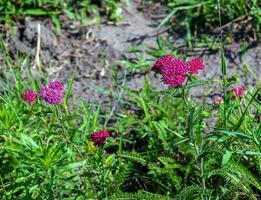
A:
99	138
237	91
163	62
174	71
196	64
56	85
52	94
29	96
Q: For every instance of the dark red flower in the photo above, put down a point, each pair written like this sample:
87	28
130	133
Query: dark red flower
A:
29	96
175	73
99	138
173	80
162	62
195	64
237	91
173	70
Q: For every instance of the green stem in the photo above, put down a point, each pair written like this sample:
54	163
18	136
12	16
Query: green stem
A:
66	108
185	98
62	123
31	111
202	176
121	143
191	135
225	101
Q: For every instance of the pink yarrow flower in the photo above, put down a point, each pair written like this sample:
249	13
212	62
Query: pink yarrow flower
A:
29	96
175	74
162	62
56	85
173	70
99	138
195	64
50	95
238	91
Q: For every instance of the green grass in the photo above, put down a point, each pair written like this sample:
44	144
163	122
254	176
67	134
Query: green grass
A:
158	147
86	11
197	17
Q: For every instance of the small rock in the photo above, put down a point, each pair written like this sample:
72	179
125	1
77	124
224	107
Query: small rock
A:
15	45
48	38
22	47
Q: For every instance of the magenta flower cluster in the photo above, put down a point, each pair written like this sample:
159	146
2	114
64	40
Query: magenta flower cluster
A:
174	71
99	138
237	91
52	93
196	64
29	96
56	85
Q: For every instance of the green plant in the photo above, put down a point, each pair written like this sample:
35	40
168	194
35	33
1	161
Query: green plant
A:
175	156
198	16
45	149
113	10
76	10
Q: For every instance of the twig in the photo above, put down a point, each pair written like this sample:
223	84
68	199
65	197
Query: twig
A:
38	47
233	21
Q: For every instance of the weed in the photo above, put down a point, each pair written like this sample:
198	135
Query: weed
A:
199	16
77	10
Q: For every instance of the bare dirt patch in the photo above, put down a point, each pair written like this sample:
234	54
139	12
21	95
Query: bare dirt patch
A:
92	54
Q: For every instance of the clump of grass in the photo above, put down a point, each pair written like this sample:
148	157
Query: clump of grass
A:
198	17
86	11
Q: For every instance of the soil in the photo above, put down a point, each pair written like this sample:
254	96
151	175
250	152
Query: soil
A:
93	53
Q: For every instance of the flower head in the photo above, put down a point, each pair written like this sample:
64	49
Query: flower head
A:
195	64
162	62
50	95
175	73
237	91
56	85
173	70
100	137
173	80
29	96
